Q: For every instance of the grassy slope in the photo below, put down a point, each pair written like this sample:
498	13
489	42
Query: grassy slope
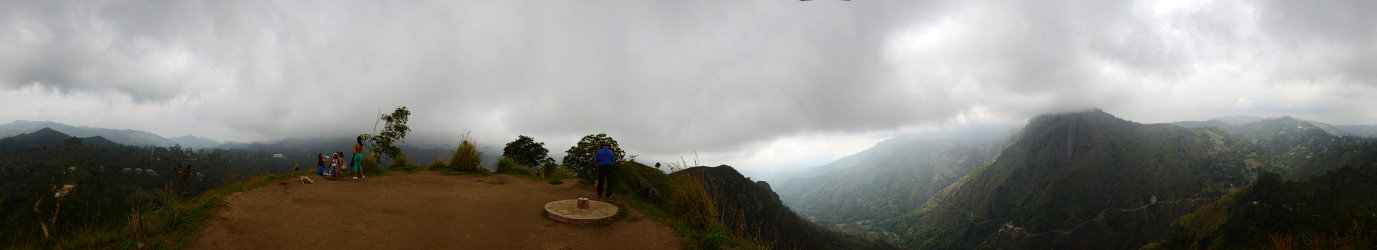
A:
169	225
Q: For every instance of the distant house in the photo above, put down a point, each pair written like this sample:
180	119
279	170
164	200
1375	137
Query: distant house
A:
279	156
126	170
66	189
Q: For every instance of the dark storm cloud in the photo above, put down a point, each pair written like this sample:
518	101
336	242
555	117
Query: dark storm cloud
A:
671	77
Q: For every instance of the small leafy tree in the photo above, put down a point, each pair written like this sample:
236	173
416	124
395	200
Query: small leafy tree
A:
526	151
550	170
582	158
393	133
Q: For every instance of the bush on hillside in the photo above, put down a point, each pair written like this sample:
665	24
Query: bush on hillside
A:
507	165
370	164
551	171
436	164
467	159
402	163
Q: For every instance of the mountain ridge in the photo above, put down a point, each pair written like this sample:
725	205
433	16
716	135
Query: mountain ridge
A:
48	137
891	178
1082	175
121	136
1066	169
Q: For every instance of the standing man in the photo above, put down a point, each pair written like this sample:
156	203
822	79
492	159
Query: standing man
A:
605	158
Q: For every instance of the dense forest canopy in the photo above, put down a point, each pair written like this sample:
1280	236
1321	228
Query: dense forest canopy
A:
74	184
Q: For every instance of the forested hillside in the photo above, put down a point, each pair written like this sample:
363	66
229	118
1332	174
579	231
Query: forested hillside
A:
891	179
1337	210
1078	180
56	189
121	136
1296	149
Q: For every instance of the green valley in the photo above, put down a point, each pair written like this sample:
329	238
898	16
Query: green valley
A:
1075	180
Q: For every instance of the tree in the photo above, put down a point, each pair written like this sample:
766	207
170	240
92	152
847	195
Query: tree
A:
526	151
582	159
393	133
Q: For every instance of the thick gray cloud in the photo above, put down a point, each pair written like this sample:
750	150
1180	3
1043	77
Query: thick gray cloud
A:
731	78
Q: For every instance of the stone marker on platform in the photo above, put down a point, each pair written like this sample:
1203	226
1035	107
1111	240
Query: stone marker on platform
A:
580	211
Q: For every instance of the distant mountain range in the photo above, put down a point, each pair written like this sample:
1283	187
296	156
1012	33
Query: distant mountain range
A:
121	136
47	137
1086	180
299	149
1238	121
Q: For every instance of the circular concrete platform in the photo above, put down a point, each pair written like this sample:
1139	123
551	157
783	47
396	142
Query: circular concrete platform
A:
567	211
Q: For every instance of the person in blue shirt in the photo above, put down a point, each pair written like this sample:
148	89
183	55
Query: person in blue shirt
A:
605	159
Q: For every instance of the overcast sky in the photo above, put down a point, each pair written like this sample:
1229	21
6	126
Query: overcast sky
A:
761	85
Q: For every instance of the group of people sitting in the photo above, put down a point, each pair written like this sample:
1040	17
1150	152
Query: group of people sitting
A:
337	165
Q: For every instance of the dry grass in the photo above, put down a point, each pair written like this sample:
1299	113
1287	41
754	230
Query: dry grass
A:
697	206
693	201
138	224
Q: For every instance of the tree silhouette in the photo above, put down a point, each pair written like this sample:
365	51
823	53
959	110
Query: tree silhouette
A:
526	151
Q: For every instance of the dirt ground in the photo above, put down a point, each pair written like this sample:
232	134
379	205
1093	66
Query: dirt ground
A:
425	210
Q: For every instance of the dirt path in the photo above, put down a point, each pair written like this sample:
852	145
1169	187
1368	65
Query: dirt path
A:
424	210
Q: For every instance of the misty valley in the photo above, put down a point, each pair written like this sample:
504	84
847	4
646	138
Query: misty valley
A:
1082	180
1090	180
684	124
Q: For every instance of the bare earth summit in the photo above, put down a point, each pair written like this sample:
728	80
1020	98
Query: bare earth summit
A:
424	210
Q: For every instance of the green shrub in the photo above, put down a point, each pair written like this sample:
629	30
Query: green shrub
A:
437	165
466	158
550	171
370	164
507	165
404	164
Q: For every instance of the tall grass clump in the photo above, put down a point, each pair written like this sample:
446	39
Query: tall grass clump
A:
693	202
370	164
467	159
507	165
437	164
404	164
